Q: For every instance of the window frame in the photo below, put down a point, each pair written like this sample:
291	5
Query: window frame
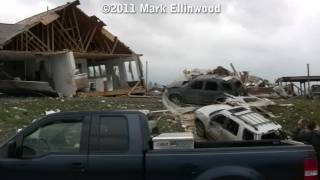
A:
217	86
213	119
52	120
223	87
95	135
127	133
196	81
226	128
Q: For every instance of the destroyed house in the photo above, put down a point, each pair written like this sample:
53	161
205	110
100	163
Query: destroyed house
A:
63	51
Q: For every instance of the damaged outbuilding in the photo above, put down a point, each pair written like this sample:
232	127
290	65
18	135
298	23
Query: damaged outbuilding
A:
63	51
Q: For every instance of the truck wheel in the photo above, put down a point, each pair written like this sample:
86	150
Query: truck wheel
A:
200	129
177	99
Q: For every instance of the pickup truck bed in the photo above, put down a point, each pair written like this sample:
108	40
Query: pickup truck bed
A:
117	145
254	160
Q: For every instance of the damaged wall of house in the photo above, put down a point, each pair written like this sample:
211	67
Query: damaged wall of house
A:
64	46
61	69
55	70
113	74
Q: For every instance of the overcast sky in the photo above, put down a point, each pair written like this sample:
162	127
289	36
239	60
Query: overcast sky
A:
268	38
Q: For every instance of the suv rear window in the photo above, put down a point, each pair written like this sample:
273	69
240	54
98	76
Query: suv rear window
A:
197	85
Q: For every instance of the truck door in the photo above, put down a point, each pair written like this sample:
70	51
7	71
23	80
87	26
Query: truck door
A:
115	147
192	93
52	149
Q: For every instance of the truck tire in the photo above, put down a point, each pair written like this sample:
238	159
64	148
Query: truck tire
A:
177	99
200	129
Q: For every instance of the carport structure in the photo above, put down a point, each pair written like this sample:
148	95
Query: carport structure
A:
302	80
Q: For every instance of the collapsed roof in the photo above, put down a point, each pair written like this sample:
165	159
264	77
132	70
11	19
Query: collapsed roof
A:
63	28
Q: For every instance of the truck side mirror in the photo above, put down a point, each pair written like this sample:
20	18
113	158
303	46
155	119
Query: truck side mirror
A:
12	149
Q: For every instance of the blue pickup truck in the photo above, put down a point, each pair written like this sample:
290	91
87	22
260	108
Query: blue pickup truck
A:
117	145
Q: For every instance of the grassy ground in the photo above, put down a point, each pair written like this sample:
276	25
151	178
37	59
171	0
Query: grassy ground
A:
302	108
18	112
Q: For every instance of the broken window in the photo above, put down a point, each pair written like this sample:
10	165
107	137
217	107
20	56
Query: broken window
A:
79	67
211	86
226	86
97	71
197	85
272	135
232	127
220	119
247	135
236	110
184	82
103	70
91	71
131	71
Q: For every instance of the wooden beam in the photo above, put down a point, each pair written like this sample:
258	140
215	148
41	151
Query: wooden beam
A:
37	44
61	43
71	25
67	34
86	36
21	42
48	35
52	37
90	39
17	43
114	45
107	44
27	42
77	28
33	46
38	40
63	15
64	39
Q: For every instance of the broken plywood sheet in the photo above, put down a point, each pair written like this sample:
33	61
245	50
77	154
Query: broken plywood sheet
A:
119	92
50	17
18	87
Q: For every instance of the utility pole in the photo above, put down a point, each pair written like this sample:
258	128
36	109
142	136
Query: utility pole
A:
308	70
147	88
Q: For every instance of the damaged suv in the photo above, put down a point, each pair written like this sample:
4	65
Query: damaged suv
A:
203	90
224	122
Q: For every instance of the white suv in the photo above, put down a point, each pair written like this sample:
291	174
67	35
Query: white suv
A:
224	122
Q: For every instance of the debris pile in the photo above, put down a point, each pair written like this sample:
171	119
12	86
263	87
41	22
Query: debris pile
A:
216	87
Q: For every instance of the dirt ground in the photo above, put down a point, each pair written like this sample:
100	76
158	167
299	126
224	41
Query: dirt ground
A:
18	112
